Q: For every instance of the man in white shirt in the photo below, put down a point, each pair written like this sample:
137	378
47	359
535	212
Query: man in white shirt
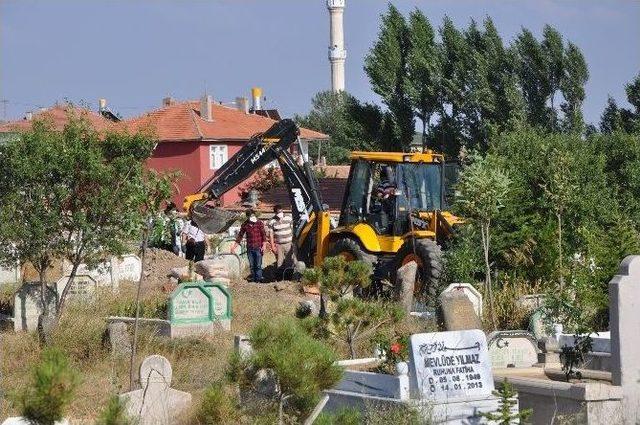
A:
195	241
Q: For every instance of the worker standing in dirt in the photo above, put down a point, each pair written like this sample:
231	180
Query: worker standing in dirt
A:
281	239
195	242
256	242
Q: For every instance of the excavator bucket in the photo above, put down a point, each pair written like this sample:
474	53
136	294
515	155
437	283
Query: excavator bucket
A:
213	220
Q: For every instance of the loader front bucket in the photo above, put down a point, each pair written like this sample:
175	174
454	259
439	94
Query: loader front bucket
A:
213	220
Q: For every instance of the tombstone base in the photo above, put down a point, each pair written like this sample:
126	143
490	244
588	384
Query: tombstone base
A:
199	329
450	413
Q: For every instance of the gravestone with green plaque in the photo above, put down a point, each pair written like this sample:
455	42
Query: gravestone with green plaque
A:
197	308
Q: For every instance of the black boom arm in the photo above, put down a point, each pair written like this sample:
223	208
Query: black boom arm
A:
263	148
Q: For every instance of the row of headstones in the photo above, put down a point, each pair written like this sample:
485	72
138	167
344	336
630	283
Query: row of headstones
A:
28	301
461	306
621	343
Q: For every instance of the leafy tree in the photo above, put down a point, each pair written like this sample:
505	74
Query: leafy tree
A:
572	84
535	80
611	119
424	68
553	50
559	189
33	199
454	52
283	346
483	189
387	68
88	195
631	118
51	389
352	125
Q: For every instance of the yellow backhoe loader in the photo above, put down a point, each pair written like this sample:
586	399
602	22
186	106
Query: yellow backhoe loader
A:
393	210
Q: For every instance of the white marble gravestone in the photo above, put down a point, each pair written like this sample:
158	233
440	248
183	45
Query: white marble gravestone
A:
472	293
128	267
28	306
449	366
512	349
9	274
156	402
83	287
624	305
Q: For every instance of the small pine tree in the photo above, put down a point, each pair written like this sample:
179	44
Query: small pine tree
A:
303	366
354	319
503	415
338	277
51	389
114	413
217	406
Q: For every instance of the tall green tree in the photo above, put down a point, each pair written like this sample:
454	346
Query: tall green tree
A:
387	68
507	112
572	84
535	80
610	120
553	50
424	68
454	52
483	190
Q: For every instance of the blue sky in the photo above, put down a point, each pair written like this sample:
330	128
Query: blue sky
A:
136	52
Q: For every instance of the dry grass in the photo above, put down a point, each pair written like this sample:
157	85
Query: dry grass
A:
196	362
509	314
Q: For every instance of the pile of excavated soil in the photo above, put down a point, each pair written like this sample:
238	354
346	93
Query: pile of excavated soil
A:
157	265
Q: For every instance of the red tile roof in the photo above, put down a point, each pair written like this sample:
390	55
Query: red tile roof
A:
182	121
59	115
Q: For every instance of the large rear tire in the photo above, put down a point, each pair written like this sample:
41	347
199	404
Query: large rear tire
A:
428	256
351	250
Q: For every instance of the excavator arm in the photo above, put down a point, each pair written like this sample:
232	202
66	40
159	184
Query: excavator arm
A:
262	149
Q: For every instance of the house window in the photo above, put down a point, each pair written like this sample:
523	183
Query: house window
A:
217	156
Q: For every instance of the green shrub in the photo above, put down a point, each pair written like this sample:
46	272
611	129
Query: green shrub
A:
217	407
303	366
354	320
51	389
114	413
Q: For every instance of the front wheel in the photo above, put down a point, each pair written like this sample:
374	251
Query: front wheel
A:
428	256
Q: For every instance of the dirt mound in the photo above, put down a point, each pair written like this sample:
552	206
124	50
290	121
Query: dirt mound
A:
157	264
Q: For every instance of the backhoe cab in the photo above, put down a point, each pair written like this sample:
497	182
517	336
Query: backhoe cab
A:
393	212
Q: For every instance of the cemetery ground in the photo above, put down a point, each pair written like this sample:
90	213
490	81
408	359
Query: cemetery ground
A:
197	362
